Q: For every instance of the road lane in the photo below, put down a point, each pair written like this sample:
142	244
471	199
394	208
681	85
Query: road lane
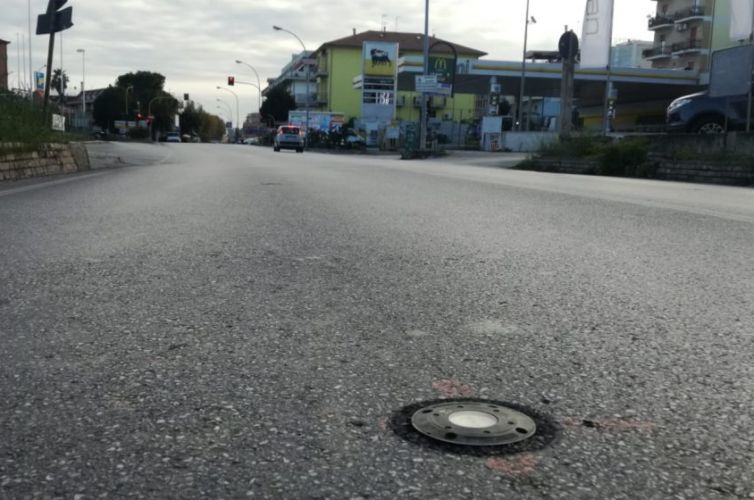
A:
236	322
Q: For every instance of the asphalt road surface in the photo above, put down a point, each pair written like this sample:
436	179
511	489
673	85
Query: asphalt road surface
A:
230	322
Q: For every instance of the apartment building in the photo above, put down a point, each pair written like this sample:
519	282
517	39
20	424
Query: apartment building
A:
686	32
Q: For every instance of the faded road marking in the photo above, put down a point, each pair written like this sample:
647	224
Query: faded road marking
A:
41	185
452	388
520	465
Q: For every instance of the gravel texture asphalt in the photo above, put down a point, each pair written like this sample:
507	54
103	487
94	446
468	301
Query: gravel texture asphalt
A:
231	323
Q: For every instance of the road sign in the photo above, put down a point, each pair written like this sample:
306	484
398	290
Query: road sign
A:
63	21
568	45
442	89
58	123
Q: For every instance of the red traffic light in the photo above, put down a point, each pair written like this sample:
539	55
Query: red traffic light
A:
231	81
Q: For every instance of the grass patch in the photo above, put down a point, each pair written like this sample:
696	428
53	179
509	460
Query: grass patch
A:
23	127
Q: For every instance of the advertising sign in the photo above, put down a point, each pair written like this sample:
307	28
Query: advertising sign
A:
39	80
380	58
443	67
595	40
731	71
318	120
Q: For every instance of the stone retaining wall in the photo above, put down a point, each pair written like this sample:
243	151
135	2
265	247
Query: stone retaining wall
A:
50	159
685	171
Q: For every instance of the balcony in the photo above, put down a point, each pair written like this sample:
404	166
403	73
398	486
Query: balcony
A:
695	13
301	99
660	22
322	100
688	47
658	52
322	70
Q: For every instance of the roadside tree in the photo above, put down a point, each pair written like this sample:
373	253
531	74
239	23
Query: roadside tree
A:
278	103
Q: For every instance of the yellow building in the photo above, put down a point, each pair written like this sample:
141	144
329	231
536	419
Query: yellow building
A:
341	64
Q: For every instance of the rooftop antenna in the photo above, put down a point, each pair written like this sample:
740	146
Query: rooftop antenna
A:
384	22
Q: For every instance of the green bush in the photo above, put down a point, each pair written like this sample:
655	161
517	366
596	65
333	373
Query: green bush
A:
574	147
622	158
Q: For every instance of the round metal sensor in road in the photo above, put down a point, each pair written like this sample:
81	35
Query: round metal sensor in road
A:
472	423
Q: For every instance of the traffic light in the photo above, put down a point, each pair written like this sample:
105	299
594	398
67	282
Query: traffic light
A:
139	117
185	97
231	81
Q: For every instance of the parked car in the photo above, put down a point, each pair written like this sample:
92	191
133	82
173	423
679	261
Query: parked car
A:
251	140
173	137
699	113
289	137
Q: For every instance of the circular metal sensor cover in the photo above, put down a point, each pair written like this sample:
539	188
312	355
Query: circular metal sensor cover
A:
473	423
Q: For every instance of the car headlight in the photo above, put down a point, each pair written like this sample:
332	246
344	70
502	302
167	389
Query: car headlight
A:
679	103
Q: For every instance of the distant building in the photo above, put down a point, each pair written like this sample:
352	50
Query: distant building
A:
629	54
340	65
3	64
75	102
687	32
293	78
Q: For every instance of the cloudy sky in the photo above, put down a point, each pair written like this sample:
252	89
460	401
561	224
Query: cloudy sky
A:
195	43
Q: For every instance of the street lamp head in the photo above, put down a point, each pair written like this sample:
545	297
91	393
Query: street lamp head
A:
80	51
219	87
239	61
533	20
277	28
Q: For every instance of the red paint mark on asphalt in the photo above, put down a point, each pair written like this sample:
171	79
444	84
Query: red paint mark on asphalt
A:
382	424
452	388
613	424
519	465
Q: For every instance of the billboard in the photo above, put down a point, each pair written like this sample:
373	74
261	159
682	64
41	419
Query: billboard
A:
380	58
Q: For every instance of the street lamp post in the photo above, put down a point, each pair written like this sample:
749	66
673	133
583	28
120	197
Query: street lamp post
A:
230	111
259	83
529	20
238	113
308	78
83	80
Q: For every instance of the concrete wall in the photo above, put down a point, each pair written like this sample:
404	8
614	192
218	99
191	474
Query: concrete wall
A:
526	142
51	159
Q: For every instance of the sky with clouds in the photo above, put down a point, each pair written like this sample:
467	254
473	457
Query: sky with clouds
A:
195	43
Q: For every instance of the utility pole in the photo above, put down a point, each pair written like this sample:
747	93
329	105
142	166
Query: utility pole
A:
424	110
568	47
520	107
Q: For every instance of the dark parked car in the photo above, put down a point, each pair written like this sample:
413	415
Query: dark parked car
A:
702	114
